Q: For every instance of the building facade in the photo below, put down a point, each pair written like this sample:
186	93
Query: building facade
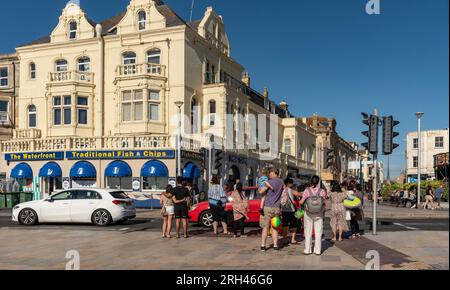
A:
434	142
344	152
101	103
9	91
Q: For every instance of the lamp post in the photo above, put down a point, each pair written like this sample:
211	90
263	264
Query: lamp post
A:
419	153
179	104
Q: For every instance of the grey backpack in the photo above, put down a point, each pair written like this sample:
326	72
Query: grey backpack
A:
314	203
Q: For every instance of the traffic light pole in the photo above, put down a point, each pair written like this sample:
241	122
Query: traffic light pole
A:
375	194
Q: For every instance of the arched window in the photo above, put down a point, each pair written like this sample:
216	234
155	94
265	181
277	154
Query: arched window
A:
84	67
32	71
288	146
129	57
61	65
73	27
212	113
154	56
32	116
142	19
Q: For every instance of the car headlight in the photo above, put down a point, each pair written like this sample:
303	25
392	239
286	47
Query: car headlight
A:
16	207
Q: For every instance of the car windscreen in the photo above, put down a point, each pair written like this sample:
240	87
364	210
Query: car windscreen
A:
119	195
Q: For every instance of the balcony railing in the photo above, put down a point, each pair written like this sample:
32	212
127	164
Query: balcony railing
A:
71	76
150	69
27	134
90	143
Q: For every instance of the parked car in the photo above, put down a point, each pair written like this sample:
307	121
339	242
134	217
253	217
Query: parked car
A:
98	206
201	213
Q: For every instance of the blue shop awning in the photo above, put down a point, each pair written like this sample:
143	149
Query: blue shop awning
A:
118	169
191	171
83	169
154	168
22	170
50	169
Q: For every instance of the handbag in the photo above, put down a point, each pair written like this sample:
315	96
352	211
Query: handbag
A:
348	215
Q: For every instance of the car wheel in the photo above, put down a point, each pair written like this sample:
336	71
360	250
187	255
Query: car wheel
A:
28	217
206	219
101	217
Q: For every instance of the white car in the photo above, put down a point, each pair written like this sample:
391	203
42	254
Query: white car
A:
79	205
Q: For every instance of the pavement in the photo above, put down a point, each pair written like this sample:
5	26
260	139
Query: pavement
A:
412	243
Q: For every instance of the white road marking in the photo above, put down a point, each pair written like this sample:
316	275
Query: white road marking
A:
124	229
406	227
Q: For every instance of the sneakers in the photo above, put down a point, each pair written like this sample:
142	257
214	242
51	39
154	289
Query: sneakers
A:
276	248
263	248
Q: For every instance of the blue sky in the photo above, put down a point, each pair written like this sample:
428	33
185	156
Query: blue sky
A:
323	56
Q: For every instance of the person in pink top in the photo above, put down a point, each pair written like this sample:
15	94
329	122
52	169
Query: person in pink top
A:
314	198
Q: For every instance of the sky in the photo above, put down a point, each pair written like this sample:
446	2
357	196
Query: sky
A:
321	56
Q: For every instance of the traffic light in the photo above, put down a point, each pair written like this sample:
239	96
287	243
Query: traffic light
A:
388	135
218	158
372	133
329	158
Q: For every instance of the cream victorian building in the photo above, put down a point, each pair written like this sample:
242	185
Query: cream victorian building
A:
99	102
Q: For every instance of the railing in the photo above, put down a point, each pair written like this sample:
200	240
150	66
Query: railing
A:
212	39
141	69
90	143
71	76
27	134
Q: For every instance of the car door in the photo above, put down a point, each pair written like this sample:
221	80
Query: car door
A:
254	201
86	201
57	208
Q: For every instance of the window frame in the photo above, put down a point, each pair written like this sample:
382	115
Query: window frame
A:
157	54
32	69
32	113
415	161
63	107
3	114
73	31
143	21
4	77
132	102
212	113
82	108
59	66
127	58
152	102
415	143
439	144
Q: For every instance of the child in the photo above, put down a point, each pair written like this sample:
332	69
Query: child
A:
263	185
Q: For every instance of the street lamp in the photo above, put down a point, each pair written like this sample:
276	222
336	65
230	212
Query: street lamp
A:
419	153
179	104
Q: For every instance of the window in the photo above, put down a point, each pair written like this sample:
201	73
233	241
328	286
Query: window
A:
415	143
154	56
153	106
4	112
194	116
129	58
82	110
73	30
32	116
207	73
3	76
154	183
61	65
119	183
62	111
212	113
87	194
64	195
32	71
132	106
288	146
84	67
415	161
439	142
142	19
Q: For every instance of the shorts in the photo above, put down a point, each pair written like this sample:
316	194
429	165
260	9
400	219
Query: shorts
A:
269	213
218	213
289	220
181	211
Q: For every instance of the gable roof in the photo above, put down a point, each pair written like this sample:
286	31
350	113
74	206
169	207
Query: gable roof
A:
172	19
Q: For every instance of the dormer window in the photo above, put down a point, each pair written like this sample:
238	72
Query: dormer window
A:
73	27
142	20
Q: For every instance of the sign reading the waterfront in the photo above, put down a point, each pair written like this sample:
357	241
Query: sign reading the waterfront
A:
120	154
34	156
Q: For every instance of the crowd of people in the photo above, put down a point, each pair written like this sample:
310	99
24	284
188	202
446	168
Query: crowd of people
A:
301	209
432	198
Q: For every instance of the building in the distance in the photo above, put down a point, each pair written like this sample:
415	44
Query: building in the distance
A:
434	142
9	92
99	105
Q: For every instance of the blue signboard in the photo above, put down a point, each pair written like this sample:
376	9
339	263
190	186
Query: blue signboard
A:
121	154
34	156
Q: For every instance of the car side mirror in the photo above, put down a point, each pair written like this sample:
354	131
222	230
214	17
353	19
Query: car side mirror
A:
49	199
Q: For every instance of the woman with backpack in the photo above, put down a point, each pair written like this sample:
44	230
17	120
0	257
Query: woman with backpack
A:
288	209
313	198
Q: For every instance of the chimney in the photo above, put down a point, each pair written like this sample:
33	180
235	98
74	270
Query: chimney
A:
246	79
284	106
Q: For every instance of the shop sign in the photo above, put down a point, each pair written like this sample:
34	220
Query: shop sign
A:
34	156
66	183
121	154
136	184
173	181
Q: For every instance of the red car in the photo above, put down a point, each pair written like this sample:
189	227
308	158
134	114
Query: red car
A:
201	214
